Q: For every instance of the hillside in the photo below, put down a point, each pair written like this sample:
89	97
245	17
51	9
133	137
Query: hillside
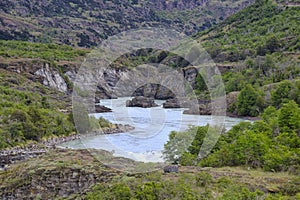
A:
84	177
260	46
260	30
257	46
257	50
86	23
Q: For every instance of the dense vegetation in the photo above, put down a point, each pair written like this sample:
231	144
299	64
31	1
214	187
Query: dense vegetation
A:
261	46
272	143
252	101
31	112
27	116
260	29
197	185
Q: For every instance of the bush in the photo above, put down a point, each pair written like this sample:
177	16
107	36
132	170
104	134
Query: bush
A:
104	123
236	192
281	93
291	188
289	117
248	102
203	179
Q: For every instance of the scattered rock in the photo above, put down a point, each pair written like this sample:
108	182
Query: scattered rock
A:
154	91
273	189
16	154
119	128
171	168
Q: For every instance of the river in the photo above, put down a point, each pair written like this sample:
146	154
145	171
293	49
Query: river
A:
152	127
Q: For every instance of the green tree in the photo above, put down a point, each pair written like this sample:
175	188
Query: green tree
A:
272	44
281	93
248	102
120	191
270	116
178	144
289	117
200	83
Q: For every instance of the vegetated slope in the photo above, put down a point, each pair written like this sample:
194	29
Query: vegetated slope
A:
84	177
259	46
31	111
10	50
86	23
271	143
35	94
261	30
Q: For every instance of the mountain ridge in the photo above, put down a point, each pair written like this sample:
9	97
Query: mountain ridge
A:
86	24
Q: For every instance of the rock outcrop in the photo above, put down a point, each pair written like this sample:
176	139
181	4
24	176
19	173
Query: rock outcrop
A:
99	83
171	169
177	103
154	91
101	109
144	102
52	78
205	107
38	70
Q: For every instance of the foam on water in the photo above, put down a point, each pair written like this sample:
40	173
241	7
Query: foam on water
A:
152	127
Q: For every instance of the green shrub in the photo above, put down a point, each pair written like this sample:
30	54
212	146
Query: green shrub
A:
203	179
292	188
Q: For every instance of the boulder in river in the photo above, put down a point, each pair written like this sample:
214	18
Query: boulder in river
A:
101	109
140	101
177	103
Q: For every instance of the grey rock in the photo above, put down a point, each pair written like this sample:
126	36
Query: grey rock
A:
140	101
171	168
52	78
101	109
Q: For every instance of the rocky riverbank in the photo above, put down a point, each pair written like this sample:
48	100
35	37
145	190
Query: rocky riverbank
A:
19	153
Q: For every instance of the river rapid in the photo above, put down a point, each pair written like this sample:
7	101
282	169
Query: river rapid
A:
152	128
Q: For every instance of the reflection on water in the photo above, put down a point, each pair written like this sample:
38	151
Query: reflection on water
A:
152	127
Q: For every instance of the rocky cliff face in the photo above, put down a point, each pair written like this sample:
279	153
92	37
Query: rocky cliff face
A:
103	83
52	78
38	70
112	82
